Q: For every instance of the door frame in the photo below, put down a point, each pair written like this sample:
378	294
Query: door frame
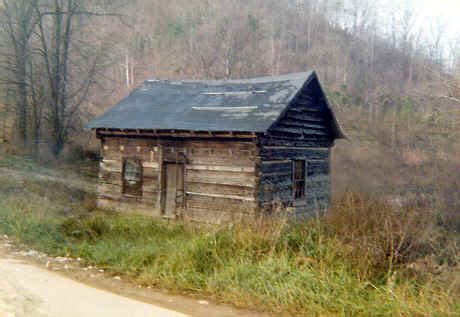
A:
181	166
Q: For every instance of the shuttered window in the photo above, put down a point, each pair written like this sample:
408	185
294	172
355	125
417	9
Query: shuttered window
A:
298	174
132	177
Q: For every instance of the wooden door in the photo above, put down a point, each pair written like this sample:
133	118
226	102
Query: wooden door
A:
174	189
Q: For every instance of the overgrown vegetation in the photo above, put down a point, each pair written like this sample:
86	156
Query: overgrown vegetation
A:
364	258
395	94
61	63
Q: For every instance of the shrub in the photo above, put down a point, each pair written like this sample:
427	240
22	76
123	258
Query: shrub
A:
382	237
340	265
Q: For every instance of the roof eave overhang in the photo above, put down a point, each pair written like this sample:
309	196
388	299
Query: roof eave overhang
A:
110	132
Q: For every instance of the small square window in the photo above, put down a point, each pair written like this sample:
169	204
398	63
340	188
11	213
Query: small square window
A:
298	173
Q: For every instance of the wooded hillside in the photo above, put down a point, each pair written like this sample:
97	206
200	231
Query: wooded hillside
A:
393	85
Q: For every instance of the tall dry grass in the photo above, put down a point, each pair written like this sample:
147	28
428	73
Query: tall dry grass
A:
352	262
381	236
365	257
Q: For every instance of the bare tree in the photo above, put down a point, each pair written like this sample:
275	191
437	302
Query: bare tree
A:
436	41
57	31
18	22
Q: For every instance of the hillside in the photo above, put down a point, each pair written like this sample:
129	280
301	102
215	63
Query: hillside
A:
391	91
389	244
359	260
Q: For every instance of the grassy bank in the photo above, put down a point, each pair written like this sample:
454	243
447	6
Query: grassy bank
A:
311	268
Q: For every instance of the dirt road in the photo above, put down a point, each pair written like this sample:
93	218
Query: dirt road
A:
29	287
35	285
27	290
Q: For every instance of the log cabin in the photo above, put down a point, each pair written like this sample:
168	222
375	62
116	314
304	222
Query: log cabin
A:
218	151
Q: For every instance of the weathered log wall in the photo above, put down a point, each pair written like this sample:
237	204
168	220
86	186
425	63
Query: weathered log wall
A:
302	133
219	179
276	180
113	151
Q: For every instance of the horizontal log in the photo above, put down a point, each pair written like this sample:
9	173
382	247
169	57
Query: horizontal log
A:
280	179
150	173
307	106
286	134
280	153
315	139
225	161
280	196
149	200
135	150
150	185
318	112
220	151
276	186
133	142
219	204
110	177
111	166
105	188
318	178
298	129
153	165
232	197
276	166
110	196
305	116
150	193
218	177
112	155
210	144
307	148
220	189
318	187
285	141
275	206
308	125
108	161
223	168
318	167
319	192
306	119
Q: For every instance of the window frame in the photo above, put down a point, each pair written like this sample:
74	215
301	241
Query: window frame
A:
296	181
131	190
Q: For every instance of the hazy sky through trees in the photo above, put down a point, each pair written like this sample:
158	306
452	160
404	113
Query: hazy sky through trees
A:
428	23
447	10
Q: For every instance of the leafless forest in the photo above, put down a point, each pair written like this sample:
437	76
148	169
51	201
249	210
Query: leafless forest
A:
393	83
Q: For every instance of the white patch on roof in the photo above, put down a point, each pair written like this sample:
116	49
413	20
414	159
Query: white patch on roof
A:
224	108
281	95
237	93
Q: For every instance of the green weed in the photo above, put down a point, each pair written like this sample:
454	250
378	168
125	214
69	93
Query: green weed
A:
315	268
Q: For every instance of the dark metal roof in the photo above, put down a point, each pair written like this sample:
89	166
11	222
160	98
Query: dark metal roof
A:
249	105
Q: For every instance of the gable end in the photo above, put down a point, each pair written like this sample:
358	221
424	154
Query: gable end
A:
308	119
